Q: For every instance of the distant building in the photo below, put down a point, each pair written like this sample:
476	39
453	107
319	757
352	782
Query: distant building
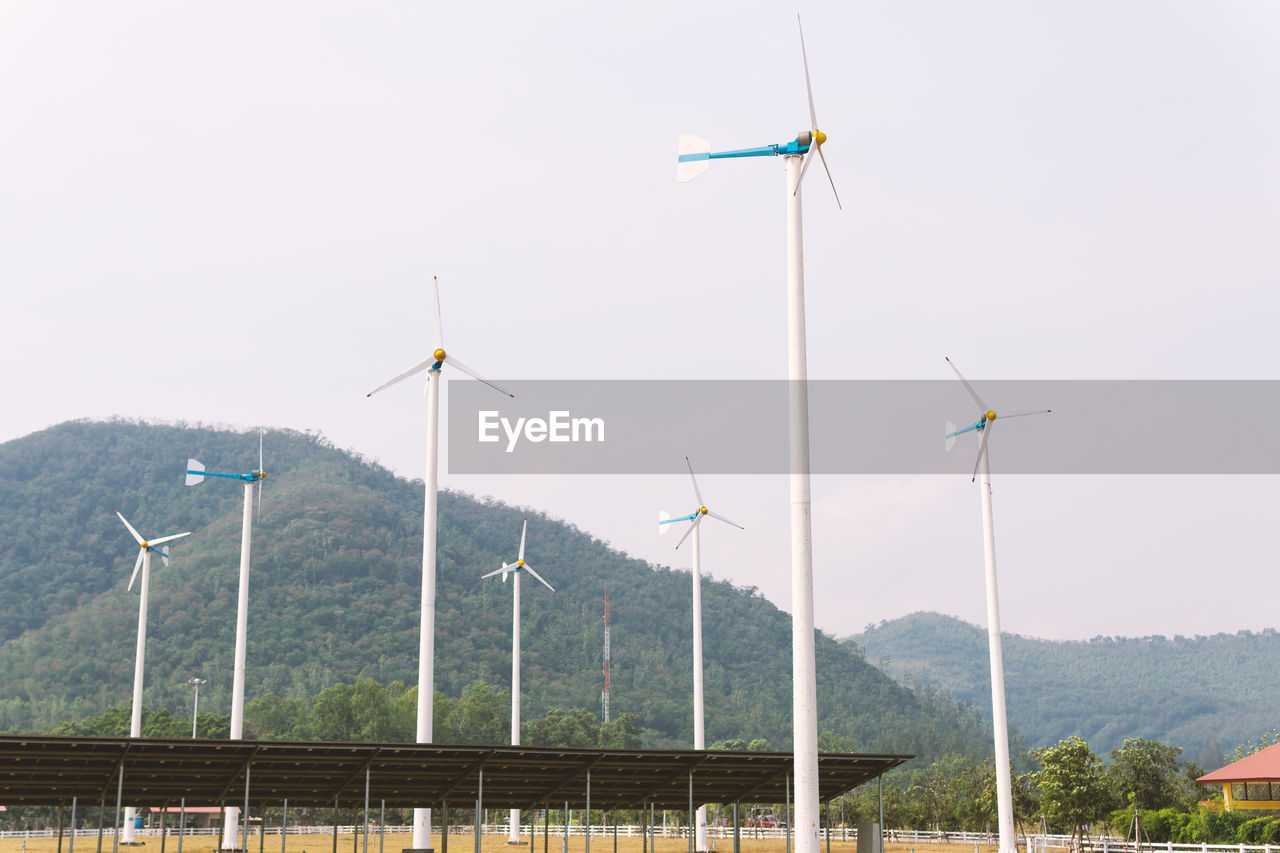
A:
1250	784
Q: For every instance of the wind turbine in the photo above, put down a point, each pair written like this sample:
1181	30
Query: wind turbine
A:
985	424
699	729
797	154
514	570
143	564
195	475
426	634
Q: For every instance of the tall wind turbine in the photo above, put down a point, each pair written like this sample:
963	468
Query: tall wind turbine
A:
143	564
514	570
984	425
195	475
694	159
699	730
426	634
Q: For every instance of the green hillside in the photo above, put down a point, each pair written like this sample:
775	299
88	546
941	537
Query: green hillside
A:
1205	694
334	597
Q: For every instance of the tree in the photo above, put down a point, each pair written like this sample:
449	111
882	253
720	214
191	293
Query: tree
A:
333	713
481	715
562	728
624	732
832	742
1073	789
1248	748
1149	771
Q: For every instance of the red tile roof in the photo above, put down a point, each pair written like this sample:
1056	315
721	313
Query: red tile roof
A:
1262	766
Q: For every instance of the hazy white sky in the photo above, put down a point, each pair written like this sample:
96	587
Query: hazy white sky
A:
232	214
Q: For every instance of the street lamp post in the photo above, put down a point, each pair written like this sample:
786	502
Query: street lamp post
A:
195	682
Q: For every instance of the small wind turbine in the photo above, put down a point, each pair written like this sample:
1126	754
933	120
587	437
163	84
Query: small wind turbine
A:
143	564
426	634
195	475
699	729
692	161
514	570
985	424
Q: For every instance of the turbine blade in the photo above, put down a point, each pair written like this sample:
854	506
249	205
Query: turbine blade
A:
813	115
808	157
967	386
136	566
505	568
725	520
470	372
259	500
195	472
1024	414
260	433
696	522
439	332
164	554
697	493
524	529
982	449
530	570
949	435
829	178
417	368
136	536
164	539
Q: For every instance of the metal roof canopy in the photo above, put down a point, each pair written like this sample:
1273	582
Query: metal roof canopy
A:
46	770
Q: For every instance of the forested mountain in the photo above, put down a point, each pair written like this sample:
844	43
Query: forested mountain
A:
334	597
1205	694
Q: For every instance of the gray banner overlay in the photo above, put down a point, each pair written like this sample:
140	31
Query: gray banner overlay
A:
864	427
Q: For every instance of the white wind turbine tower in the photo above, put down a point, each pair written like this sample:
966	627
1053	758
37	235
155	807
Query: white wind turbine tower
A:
514	570
797	154
195	475
699	729
143	563
1000	725
426	635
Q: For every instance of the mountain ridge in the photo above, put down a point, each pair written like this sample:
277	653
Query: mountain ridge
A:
334	592
1203	693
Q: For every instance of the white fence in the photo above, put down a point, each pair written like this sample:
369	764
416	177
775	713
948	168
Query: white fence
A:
554	829
1031	844
1050	843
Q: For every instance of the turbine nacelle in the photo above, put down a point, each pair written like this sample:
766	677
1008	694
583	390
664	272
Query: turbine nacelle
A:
519	564
694	153
437	359
196	473
146	546
696	516
982	425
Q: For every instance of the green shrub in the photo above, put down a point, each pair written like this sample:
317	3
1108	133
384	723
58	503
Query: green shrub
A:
1252	831
1211	825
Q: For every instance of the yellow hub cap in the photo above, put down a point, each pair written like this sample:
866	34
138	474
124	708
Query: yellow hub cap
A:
439	355
991	416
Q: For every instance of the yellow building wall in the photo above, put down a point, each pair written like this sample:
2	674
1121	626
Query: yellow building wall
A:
1232	804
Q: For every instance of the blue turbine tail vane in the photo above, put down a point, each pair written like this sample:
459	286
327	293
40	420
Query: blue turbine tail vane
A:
694	153
984	423
696	516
